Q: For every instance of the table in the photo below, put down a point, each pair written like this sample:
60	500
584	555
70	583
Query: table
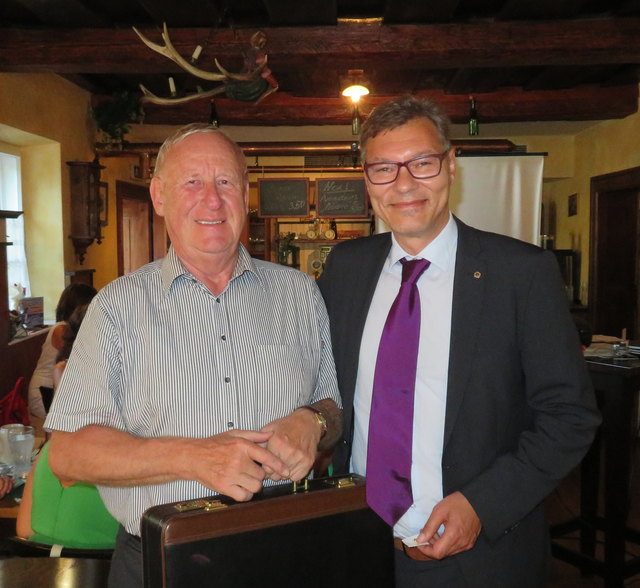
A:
10	504
53	572
616	382
9	508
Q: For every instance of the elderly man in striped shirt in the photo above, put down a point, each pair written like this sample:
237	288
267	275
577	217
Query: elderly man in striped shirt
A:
206	371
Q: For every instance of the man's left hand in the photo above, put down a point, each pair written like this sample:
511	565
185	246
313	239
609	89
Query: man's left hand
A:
295	441
461	527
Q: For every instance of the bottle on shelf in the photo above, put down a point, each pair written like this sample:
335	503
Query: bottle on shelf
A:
333	227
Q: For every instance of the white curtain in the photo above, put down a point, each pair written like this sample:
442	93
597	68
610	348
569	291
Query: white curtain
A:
498	193
11	199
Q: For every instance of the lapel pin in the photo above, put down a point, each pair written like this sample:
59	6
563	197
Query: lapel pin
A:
477	275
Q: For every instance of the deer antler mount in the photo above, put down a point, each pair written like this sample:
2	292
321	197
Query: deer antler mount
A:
252	84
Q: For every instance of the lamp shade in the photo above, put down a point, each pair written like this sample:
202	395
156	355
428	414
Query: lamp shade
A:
355	92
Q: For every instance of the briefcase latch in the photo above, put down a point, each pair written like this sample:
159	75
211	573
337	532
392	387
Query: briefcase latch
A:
302	486
200	504
342	481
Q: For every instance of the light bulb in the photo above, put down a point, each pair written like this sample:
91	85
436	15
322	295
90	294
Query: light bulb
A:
355	92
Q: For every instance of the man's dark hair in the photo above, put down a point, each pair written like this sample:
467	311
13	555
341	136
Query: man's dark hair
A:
399	111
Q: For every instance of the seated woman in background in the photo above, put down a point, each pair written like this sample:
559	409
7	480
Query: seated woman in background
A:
72	296
70	331
71	515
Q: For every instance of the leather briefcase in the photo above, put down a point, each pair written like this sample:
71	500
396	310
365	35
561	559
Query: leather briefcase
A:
314	534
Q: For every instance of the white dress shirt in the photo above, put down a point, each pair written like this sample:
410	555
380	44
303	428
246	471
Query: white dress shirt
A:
436	293
159	355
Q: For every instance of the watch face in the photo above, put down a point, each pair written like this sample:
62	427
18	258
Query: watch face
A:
311	234
330	234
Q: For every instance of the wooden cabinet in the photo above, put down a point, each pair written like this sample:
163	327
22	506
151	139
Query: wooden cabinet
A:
259	238
305	244
17	357
88	204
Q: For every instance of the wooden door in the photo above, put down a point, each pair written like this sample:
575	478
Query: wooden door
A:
141	233
136	245
615	237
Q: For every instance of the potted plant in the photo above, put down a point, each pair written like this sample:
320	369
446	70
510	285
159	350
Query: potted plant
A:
114	116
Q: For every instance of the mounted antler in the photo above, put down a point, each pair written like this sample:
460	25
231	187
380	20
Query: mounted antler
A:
251	85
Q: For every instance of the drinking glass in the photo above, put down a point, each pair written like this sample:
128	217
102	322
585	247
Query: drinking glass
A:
21	445
5	451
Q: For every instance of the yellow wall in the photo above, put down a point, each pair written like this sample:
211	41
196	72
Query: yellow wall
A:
559	162
44	238
105	255
54	118
47	119
608	147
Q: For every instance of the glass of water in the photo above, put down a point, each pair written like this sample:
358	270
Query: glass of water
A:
21	446
5	451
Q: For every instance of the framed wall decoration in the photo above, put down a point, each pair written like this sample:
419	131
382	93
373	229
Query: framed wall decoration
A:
341	197
283	197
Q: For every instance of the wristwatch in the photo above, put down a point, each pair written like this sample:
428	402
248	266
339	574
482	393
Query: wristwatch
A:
320	418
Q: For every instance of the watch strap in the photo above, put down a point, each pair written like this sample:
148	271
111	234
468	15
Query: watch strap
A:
320	418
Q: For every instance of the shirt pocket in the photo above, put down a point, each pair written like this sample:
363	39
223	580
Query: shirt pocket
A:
282	378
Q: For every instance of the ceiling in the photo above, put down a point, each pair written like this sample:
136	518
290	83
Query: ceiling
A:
522	60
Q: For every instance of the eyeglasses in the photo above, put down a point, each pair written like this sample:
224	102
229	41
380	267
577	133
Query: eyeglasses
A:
421	168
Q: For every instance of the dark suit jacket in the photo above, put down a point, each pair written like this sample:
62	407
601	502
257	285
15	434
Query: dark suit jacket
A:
520	411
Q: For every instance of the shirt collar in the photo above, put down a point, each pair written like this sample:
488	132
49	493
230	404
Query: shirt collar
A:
440	252
172	268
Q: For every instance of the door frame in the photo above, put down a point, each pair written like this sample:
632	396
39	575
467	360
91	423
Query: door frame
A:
628	179
132	191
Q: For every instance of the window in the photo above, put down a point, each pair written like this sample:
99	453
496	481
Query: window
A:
11	199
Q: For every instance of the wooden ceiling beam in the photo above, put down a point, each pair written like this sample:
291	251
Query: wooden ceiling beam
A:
419	12
562	77
66	13
531	9
507	105
477	80
284	13
185	13
489	44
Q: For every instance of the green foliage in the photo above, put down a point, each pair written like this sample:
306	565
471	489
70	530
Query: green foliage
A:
115	115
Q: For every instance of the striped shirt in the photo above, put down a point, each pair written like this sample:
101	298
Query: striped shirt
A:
159	355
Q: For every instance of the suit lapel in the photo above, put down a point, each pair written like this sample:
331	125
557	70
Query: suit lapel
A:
468	294
367	273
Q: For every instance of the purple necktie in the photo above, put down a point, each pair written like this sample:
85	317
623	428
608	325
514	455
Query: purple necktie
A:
391	421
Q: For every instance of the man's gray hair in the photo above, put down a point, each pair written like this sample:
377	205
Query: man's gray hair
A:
191	129
400	111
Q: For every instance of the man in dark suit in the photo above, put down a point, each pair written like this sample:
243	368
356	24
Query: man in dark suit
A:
503	405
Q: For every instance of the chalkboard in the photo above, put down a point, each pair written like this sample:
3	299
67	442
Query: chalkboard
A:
341	197
283	197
